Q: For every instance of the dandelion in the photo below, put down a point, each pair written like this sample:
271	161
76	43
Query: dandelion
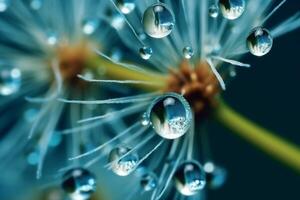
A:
112	89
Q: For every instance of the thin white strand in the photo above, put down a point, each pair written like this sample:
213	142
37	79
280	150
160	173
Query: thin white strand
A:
216	73
150	152
230	61
115	113
106	143
117	81
273	11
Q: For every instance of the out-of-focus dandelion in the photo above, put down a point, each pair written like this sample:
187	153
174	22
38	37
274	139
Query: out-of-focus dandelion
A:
127	84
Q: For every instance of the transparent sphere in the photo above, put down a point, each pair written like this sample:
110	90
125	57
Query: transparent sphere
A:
79	184
126	6
158	21
189	178
215	175
213	11
148	181
122	164
89	26
145	52
10	80
259	41
188	52
232	9
170	115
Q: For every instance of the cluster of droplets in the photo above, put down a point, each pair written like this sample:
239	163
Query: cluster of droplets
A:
10	80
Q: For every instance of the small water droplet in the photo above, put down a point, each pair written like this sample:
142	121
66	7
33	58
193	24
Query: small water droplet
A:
148	181
52	38
170	115
158	21
117	21
89	26
36	4
10	80
232	9
121	165
4	5
145	120
79	183
259	41
215	176
145	52
33	157
126	6
188	52
213	11
189	178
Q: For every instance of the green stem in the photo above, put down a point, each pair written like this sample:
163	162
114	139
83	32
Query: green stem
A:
265	140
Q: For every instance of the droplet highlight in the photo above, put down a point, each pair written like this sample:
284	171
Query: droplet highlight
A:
259	41
158	21
89	26
170	116
188	52
213	11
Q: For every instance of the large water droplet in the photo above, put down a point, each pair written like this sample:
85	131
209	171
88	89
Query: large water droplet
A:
232	9
215	176
188	52
122	164
90	25
4	5
10	80
259	41
213	11
158	21
148	181
189	178
170	115
126	6
145	52
79	184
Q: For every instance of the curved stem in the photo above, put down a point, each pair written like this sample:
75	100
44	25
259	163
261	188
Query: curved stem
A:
265	140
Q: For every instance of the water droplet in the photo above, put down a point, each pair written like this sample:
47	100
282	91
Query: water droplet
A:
188	52
36	4
55	139
145	120
4	5
259	41
33	157
213	11
52	38
170	115
79	183
215	176
89	26
126	6
10	80
117	21
232	9
145	52
120	164
189	178
148	181
158	21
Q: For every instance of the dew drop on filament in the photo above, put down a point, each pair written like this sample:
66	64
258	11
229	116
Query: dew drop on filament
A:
126	6
79	183
170	115
148	181
232	9
145	52
213	11
122	164
259	41
188	52
10	80
189	178
89	26
158	21
215	175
